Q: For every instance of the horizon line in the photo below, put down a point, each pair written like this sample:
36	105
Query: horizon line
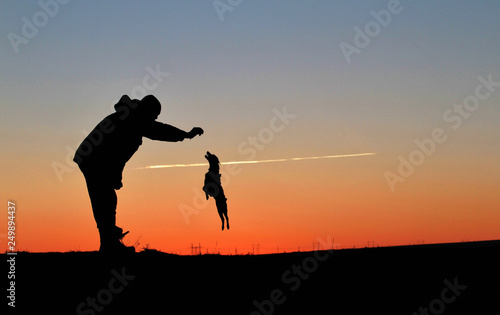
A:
286	250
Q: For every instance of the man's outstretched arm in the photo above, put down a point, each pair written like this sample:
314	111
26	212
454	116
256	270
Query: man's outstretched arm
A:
164	132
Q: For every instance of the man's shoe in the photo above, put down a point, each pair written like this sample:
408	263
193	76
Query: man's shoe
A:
116	247
111	241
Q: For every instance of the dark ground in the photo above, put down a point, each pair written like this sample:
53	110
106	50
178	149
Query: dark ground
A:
391	280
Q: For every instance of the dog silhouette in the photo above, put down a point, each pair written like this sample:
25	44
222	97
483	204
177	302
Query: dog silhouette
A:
212	187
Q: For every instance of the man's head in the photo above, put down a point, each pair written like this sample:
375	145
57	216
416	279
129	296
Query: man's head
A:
149	107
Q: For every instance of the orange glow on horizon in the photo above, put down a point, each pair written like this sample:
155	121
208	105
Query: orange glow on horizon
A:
278	207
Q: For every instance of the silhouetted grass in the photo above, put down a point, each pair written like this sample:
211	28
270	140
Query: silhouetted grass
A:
391	280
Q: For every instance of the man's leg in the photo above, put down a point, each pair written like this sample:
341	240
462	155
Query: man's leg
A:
103	199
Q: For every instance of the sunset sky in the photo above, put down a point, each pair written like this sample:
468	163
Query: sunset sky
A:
266	80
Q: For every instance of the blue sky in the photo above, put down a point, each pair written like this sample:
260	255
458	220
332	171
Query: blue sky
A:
91	54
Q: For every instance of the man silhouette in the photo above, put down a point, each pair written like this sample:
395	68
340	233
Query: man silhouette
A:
104	152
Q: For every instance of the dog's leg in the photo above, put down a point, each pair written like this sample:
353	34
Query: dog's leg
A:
222	219
227	219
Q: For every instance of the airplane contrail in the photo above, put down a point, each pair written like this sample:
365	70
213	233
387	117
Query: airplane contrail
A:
259	161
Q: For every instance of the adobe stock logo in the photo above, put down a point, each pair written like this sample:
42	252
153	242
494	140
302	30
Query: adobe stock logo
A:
294	277
39	20
150	82
455	116
448	295
249	147
221	7
105	296
363	37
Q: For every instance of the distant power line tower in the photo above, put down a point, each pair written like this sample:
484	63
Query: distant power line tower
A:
315	246
196	250
255	247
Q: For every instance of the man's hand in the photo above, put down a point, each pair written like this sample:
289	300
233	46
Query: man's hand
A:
196	131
